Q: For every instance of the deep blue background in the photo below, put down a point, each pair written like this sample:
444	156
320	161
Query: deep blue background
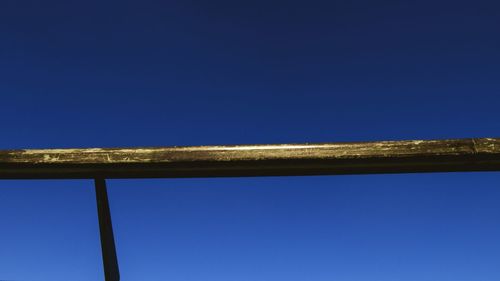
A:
84	74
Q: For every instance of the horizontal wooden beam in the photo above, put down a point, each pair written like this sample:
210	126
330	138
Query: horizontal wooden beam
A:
482	154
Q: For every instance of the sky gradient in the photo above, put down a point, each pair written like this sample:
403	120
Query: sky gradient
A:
159	73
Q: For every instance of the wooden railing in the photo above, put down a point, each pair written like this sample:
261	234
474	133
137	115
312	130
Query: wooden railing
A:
480	154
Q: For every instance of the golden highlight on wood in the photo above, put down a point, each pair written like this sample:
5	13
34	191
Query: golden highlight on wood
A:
481	154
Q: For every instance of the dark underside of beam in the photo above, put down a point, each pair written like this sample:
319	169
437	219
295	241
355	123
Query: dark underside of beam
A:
482	154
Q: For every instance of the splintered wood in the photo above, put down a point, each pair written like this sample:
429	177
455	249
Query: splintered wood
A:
482	154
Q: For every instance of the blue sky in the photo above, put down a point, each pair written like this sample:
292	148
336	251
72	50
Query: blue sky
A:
158	73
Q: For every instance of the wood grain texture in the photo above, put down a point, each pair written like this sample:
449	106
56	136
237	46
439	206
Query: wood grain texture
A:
482	154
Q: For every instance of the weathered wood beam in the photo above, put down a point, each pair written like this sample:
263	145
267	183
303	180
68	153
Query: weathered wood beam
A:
482	154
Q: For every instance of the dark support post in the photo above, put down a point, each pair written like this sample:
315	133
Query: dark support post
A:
110	262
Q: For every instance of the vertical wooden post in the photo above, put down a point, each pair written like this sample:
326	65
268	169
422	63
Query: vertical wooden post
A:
110	261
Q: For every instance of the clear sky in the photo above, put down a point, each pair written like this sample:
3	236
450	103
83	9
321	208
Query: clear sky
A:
158	73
